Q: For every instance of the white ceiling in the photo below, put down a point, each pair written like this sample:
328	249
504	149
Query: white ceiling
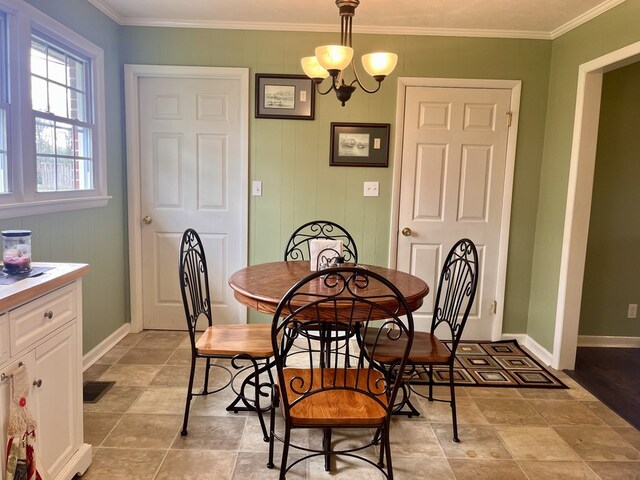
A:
486	18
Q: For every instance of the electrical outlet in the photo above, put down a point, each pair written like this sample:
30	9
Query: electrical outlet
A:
371	189
256	188
632	310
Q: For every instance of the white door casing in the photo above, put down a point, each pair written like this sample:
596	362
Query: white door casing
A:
578	207
187	159
454	180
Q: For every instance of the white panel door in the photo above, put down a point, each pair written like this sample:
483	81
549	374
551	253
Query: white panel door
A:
191	175
453	166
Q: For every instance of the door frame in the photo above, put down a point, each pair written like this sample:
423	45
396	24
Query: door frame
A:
515	86
578	207
132	76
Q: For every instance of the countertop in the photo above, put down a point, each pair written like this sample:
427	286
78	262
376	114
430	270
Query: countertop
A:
24	290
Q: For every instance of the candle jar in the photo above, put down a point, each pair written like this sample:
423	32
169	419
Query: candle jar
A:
16	253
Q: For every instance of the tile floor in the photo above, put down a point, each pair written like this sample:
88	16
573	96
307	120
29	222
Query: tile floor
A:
509	434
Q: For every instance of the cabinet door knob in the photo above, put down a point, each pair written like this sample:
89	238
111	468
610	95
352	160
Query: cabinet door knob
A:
37	383
49	314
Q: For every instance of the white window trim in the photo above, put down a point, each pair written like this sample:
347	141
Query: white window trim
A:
22	20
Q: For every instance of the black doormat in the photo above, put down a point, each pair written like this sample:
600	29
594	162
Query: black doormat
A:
495	364
93	391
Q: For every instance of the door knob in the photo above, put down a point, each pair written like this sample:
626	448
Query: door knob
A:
147	220
406	231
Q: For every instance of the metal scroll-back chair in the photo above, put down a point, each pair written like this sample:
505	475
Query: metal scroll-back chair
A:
454	298
299	248
247	347
314	394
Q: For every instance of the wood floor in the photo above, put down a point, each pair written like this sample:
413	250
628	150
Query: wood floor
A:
613	376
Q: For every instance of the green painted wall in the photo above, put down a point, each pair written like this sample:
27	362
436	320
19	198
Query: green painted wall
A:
610	31
291	157
96	236
611	279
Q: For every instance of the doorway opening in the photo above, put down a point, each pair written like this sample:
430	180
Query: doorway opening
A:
578	208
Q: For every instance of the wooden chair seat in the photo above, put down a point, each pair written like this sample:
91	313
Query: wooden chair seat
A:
426	348
231	340
336	406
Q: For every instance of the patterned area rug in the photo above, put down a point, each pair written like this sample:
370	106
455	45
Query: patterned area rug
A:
496	364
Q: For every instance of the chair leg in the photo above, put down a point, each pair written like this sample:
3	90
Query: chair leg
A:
285	452
347	360
189	396
205	388
387	448
257	400
454	417
275	400
326	448
379	439
376	438
431	383
325	349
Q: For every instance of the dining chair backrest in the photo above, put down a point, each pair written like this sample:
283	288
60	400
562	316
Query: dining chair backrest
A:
456	289
334	300
194	282
299	244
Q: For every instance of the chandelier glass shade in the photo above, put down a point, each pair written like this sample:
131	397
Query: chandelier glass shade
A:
334	60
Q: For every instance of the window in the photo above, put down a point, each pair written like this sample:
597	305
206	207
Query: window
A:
4	106
60	101
55	157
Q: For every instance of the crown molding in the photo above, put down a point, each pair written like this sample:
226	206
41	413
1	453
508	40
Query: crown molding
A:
108	11
585	17
366	29
361	29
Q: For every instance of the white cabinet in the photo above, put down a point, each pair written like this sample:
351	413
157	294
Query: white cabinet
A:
55	391
43	325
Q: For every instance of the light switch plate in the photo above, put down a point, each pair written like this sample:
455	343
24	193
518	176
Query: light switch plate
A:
371	189
256	188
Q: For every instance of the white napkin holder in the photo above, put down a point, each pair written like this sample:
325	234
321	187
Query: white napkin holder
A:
327	249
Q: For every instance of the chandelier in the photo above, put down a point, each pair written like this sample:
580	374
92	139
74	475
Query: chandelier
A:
333	60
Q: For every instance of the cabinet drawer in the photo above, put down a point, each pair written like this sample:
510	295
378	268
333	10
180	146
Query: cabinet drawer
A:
30	322
4	338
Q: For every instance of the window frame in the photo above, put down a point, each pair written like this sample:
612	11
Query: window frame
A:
23	21
4	95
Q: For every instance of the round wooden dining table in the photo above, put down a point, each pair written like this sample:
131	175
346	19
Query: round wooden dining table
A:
261	286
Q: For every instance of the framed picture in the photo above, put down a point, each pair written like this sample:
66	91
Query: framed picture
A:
359	144
285	96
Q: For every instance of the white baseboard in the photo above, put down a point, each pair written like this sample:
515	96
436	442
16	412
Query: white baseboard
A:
607	341
542	354
521	338
103	347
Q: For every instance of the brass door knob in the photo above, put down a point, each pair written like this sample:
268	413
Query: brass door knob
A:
406	231
147	220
